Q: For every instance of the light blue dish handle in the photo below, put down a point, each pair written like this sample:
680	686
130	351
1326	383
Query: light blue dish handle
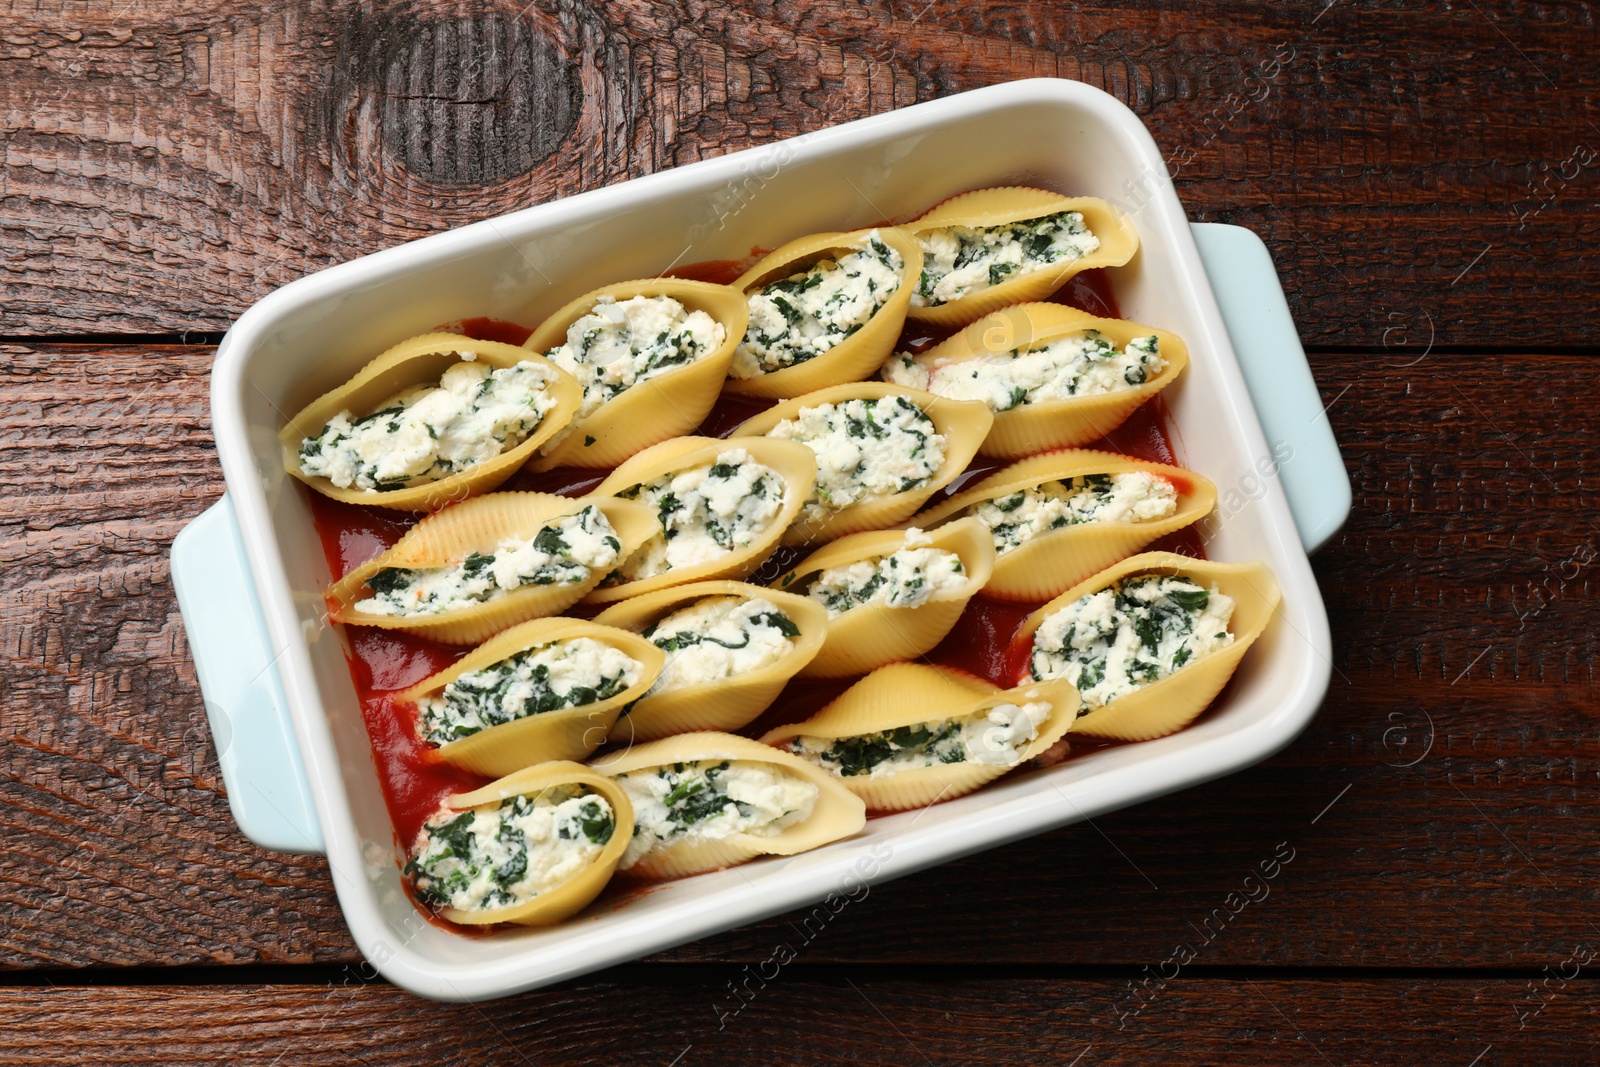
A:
266	779
233	658
1281	387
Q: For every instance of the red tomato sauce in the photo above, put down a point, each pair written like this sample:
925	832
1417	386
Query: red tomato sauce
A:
501	330
717	271
416	781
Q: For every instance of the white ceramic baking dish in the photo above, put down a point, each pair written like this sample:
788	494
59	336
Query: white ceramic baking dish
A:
250	572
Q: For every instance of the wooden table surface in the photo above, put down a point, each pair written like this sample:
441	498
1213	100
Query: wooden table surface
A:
1425	176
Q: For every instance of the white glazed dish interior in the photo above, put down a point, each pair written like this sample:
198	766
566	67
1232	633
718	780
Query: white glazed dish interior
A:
310	335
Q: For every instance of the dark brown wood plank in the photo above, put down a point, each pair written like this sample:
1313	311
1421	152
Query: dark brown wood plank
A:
847	1018
1455	758
1425	168
117	824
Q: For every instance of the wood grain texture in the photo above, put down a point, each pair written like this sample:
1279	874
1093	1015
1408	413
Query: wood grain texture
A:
796	1018
1456	755
1415	170
114	815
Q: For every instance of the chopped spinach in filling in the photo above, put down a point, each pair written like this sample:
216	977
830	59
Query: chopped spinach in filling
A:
565	674
959	260
619	344
865	449
499	855
995	736
430	432
1081	364
1140	630
706	512
710	800
800	317
904	579
923	744
719	637
1017	518
567	551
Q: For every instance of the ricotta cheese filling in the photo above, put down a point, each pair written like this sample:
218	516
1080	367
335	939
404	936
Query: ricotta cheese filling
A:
996	737
707	800
1120	639
496	856
908	578
565	552
865	449
706	512
619	344
719	637
806	314
564	674
959	260
1019	517
429	432
1080	364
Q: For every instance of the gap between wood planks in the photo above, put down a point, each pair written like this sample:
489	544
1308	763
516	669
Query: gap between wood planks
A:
197	339
645	973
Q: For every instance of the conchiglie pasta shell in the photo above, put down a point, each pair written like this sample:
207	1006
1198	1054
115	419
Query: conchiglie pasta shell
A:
576	892
571	733
688	857
667	405
413	362
794	462
477	525
1056	560
1067	423
838	812
899	694
963	423
731	702
858	355
870	635
905	694
996	207
1167	706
